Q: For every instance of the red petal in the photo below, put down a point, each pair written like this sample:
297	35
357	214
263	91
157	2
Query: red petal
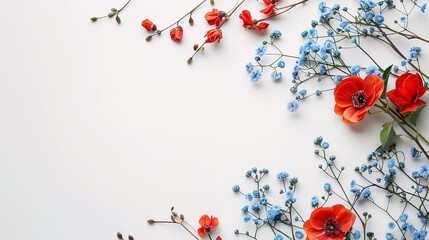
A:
395	98
214	222
318	217
201	232
354	115
268	10
346	219
412	107
246	17
205	221
262	25
267	2
346	88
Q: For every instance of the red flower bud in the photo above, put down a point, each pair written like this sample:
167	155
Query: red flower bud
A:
176	33
148	25
409	88
213	35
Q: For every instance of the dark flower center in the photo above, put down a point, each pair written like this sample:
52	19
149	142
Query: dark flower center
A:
207	230
359	99
221	14
331	227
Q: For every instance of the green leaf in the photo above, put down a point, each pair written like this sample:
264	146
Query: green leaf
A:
415	115
387	134
386	75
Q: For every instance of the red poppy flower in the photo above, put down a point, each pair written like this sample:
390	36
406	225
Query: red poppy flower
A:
329	223
207	224
355	96
213	35
215	17
176	33
148	25
409	88
249	23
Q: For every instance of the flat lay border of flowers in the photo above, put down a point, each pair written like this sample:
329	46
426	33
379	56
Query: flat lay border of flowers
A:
395	93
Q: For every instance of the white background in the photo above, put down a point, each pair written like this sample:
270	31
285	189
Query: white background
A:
101	130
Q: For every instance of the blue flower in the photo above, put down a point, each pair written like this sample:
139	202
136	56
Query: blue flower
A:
389	236
261	50
314	201
245	209
343	24
354	70
299	234
323	70
290	197
357	235
278	237
369	15
391	225
303	92
318	93
424	171
255	193
420	235
293	106
276	76
415	153
423	7
325	17
325	145
327	187
379	19
255	75
403	19
273	212
249	67
247	218
263	200
256	207
281	64
249	197
282	175
328	45
372	70
276	34
403	217
391	163
322	7
330	32
236	188
415	52
365	194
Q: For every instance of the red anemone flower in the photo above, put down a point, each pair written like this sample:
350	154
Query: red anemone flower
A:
409	88
148	25
355	96
215	17
207	224
176	33
249	23
329	223
213	35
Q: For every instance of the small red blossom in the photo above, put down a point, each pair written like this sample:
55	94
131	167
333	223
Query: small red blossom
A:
329	223
176	33
213	35
215	17
409	88
355	96
148	25
249	23
207	224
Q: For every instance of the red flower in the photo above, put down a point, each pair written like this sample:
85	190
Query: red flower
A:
213	35
409	88
176	33
270	6
249	23
207	223
355	96
215	17
329	223
148	25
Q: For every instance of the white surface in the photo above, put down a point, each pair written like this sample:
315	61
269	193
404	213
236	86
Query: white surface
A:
101	130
